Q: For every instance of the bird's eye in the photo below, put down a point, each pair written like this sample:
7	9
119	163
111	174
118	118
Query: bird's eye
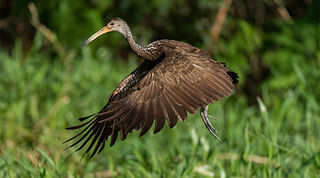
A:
111	23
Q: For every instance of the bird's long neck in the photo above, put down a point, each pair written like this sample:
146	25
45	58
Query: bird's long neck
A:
149	52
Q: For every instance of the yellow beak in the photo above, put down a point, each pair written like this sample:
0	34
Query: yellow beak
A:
96	35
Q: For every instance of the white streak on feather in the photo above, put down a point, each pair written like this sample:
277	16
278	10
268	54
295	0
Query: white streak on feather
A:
197	66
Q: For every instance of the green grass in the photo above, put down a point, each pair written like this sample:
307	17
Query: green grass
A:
41	95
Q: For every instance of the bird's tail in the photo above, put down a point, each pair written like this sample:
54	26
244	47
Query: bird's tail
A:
234	76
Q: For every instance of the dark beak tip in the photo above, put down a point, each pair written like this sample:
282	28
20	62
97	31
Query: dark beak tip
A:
84	43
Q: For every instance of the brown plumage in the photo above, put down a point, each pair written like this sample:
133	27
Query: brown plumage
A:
174	79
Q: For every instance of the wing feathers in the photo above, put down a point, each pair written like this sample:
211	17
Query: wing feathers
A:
159	116
171	116
138	118
114	134
100	141
148	119
177	107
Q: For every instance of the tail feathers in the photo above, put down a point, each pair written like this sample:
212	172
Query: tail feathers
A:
234	76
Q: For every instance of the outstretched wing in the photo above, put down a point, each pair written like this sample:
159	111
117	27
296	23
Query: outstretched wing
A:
171	87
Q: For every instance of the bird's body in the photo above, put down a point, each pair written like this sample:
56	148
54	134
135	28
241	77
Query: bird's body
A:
175	78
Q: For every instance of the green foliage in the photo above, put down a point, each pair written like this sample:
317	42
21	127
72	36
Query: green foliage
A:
41	94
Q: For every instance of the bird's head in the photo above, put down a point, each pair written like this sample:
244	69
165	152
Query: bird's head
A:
115	24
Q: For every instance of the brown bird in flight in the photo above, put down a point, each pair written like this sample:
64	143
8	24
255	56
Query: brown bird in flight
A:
174	78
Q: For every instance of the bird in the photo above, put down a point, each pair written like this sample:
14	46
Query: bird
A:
174	79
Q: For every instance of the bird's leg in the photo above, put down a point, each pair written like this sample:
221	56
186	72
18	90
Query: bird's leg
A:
204	115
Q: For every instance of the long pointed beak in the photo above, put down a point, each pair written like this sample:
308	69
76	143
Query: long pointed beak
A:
96	35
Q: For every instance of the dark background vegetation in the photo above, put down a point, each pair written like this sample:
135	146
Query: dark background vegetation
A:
269	127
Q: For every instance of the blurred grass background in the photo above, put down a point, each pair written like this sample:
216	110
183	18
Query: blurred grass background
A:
269	127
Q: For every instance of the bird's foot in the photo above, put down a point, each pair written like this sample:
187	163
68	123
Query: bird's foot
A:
211	117
204	115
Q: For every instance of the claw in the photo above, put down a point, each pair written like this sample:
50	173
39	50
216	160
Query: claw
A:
204	116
